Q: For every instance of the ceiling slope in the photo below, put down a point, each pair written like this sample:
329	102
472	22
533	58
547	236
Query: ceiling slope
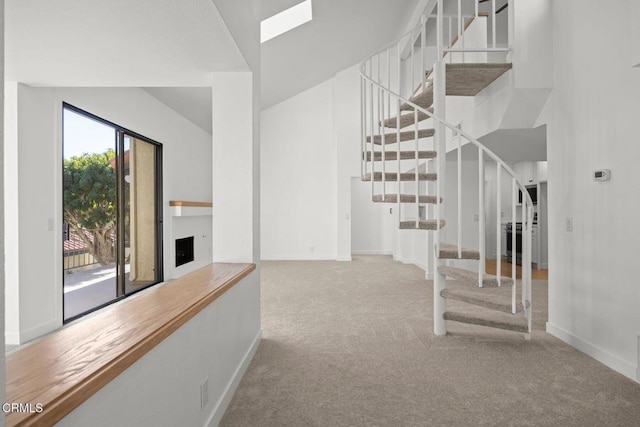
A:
341	34
117	43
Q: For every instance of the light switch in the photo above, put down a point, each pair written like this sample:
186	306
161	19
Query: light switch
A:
569	225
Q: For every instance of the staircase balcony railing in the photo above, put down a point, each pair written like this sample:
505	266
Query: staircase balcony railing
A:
408	166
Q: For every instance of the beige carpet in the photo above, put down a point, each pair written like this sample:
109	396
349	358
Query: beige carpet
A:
351	344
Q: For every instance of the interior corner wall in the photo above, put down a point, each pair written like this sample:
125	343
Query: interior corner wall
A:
244	25
347	134
2	206
593	286
470	203
634	18
233	174
369	221
298	177
186	158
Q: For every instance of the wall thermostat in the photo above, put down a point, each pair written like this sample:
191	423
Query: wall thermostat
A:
602	175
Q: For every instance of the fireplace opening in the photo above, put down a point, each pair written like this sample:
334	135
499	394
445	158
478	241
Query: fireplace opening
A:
184	250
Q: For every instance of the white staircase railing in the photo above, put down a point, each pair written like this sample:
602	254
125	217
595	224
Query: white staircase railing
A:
396	91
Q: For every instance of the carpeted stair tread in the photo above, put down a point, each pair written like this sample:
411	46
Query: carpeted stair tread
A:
482	297
404	155
471	277
469	79
424	224
405	176
449	251
422	99
404	198
406	119
515	323
408	135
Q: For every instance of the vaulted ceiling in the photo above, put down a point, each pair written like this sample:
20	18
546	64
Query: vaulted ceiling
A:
341	34
170	48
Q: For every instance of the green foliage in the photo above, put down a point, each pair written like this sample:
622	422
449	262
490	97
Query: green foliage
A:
89	192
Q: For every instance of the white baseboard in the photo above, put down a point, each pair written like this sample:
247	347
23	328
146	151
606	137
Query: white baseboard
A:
370	252
421	265
298	257
344	258
601	355
222	403
12	338
19	338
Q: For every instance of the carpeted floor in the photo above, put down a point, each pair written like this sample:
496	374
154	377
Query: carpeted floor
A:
351	344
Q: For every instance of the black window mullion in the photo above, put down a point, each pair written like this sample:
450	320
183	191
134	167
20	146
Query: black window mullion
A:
120	204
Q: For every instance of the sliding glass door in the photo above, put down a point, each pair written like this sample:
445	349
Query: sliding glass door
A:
112	212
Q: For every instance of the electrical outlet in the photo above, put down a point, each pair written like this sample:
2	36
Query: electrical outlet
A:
476	218
204	393
502	214
569	224
312	249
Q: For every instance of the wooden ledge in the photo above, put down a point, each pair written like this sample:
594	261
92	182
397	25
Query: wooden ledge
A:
64	369
185	203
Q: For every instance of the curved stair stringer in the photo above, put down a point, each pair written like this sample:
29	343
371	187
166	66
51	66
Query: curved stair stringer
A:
378	99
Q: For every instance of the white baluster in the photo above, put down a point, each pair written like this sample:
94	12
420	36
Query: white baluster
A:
459	141
493	23
481	219
398	169
423	42
381	133
417	171
498	225
371	145
363	131
522	243
514	200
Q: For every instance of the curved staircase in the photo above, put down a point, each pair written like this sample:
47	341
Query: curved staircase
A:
407	145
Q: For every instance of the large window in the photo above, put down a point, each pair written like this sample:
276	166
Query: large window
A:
112	212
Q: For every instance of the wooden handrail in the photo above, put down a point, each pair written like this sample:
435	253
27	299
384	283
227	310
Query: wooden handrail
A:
64	369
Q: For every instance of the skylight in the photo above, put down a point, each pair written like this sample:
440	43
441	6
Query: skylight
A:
286	20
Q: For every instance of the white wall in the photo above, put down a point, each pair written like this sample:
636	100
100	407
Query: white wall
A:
347	134
2	205
532	43
593	286
243	23
369	221
469	208
298	176
163	387
634	18
37	189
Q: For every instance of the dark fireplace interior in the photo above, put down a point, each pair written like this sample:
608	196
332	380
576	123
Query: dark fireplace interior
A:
184	250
